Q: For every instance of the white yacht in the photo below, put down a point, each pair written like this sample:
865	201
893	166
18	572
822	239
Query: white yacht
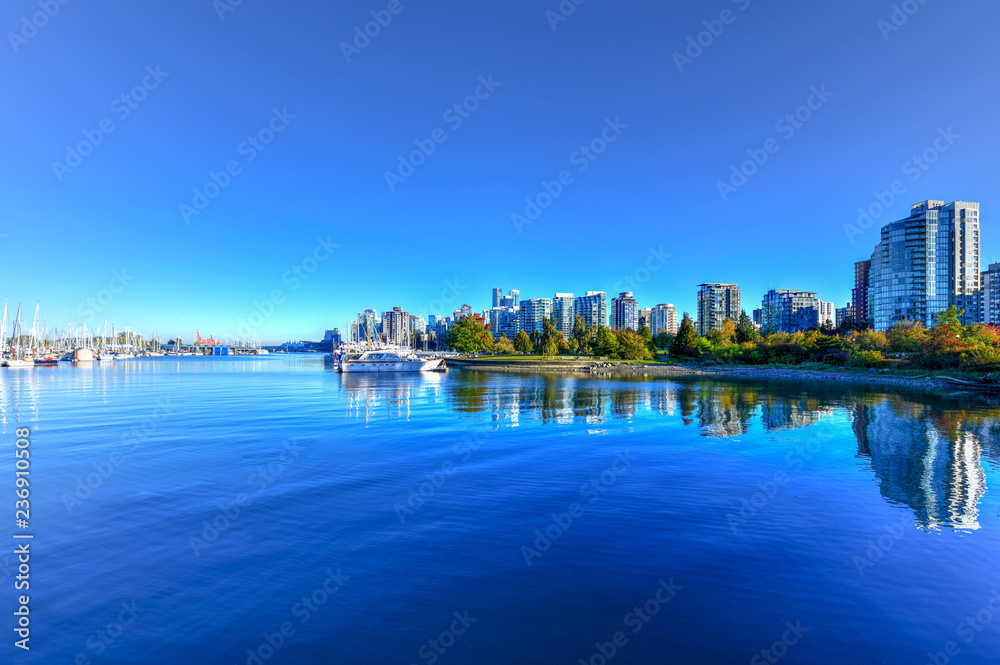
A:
390	360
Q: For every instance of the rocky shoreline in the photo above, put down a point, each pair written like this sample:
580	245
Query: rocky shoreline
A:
611	368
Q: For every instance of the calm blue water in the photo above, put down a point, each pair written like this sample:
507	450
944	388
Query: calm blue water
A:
186	510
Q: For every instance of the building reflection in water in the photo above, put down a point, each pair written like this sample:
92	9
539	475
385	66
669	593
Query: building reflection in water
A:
925	452
927	458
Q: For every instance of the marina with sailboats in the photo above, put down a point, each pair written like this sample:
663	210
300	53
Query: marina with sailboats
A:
38	345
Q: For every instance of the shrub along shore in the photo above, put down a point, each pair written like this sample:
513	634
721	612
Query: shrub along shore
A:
907	354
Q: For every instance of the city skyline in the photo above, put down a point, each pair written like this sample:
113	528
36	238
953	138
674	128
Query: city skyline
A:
716	301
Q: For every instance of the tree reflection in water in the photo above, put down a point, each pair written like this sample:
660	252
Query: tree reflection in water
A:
925	451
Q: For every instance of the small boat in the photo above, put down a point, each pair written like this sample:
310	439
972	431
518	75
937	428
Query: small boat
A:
79	355
17	362
47	360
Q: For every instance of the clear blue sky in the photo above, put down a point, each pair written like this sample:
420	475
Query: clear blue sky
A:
450	220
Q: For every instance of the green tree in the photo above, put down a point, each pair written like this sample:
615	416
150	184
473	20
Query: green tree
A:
550	334
949	317
685	345
663	339
503	346
522	343
647	337
469	335
607	342
745	330
582	336
906	337
633	345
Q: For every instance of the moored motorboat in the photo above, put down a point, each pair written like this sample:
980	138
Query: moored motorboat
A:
389	360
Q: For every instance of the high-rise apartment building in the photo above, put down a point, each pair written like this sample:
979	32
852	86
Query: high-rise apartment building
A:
989	308
926	263
366	327
827	313
624	312
497	296
844	313
512	299
533	313
716	303
562	313
663	318
396	326
593	307
645	317
859	294
504	321
788	310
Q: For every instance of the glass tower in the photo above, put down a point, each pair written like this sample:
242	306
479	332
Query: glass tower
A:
925	264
